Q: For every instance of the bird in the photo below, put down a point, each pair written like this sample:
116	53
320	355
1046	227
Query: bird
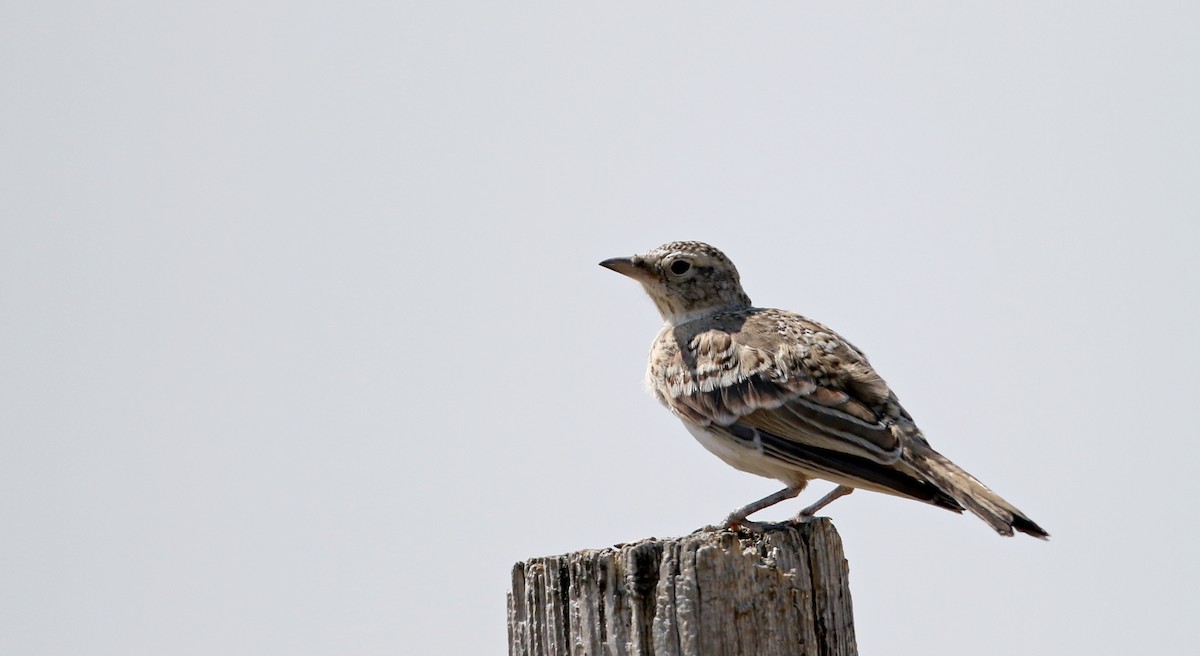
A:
773	393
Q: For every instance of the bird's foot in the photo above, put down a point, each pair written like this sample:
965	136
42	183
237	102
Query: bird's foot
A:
735	524
754	527
810	513
728	524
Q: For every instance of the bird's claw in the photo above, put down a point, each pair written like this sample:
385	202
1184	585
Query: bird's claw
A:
736	524
802	518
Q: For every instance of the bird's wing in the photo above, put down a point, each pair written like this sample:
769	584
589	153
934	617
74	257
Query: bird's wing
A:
797	383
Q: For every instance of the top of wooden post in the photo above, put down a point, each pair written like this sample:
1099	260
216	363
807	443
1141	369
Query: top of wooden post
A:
782	592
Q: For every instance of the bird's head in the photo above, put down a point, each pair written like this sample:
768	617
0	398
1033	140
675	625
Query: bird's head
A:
686	279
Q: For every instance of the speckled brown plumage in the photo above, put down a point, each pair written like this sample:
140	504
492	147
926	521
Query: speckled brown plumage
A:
776	394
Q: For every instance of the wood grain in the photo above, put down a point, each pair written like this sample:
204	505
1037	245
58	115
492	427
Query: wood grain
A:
782	592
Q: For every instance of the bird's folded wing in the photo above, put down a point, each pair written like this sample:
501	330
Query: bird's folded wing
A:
841	467
814	391
810	424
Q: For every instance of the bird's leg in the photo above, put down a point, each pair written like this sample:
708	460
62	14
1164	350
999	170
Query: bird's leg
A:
811	511
738	517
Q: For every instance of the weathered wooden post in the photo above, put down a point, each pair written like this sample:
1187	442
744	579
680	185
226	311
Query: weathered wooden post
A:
780	593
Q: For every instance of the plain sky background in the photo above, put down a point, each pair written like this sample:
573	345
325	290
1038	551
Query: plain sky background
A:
303	342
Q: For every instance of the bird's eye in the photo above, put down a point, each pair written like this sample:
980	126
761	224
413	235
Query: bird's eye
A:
680	267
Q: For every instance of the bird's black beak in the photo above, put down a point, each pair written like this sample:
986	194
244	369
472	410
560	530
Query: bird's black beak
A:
627	266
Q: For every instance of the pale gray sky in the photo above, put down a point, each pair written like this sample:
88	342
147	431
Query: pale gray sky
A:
303	342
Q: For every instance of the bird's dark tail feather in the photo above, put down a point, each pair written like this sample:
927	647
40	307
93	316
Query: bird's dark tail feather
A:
973	495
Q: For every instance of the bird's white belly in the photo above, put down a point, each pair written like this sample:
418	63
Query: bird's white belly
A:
746	457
